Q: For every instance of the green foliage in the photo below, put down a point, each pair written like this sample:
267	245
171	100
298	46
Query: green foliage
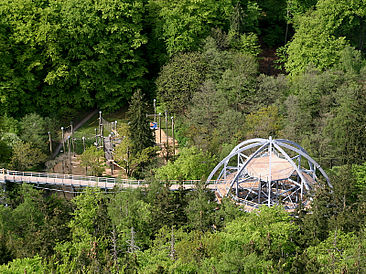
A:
132	163
66	51
179	80
9	125
257	241
92	55
346	127
216	109
248	44
5	153
88	229
263	123
26	265
34	225
93	160
340	252
200	209
298	7
270	90
139	127
360	174
321	35
127	210
272	21
267	230
26	157
184	24
33	129
191	164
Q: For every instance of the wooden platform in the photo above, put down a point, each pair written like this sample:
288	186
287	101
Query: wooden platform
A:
260	168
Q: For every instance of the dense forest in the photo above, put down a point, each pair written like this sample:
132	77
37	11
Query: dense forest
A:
227	71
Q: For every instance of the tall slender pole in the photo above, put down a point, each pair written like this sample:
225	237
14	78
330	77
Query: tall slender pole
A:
63	163
287	19
83	138
154	110
270	171
102	136
110	153
96	137
63	138
166	130
159	127
72	137
173	135
100	127
73	146
50	141
69	153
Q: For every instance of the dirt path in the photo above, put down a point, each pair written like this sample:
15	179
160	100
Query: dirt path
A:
161	141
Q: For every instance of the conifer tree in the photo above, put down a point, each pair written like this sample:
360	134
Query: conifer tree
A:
141	134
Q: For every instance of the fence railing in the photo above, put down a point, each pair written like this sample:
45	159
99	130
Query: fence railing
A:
32	176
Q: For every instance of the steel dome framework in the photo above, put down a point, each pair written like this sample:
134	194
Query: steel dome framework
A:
267	171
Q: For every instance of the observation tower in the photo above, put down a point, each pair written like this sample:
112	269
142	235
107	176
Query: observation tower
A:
268	172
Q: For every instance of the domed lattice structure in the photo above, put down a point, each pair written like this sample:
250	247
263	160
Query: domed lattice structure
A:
267	171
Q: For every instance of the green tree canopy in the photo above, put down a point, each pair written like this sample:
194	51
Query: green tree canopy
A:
192	164
139	126
93	160
321	35
59	52
183	24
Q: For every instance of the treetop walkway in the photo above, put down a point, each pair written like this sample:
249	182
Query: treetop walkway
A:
42	178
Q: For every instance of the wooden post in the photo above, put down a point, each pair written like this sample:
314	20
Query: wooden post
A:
102	137
69	153
83	138
154	110
63	163
166	130
160	128
173	135
100	124
50	141
110	152
72	138
96	137
63	138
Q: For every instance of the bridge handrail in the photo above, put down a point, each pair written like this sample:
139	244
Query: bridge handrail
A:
93	178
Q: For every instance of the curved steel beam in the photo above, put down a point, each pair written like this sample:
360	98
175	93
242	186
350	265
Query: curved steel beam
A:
227	158
309	159
295	144
245	164
292	143
248	142
288	158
